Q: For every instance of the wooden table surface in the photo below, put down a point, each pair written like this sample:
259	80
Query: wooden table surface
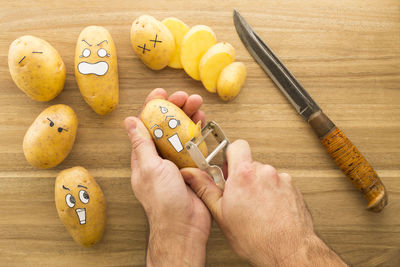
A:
345	53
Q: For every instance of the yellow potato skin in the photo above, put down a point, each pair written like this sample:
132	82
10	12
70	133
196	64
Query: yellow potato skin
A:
154	54
213	61
195	43
36	68
91	231
178	29
44	146
101	92
231	80
153	118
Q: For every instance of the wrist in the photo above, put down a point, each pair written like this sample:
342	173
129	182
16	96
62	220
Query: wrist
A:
176	246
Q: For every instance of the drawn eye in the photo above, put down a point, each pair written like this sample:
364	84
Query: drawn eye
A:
59	129
86	52
173	123
84	196
101	52
70	200
163	110
51	122
158	133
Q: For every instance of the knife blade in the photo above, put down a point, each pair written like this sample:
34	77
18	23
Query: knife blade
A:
344	153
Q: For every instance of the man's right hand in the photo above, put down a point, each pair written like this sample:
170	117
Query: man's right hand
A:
261	213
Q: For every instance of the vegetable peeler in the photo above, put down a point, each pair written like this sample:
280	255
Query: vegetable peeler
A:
204	163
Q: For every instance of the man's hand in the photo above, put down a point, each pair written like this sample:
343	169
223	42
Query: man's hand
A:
179	221
261	213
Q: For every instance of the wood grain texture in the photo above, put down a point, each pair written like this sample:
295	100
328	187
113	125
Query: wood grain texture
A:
345	53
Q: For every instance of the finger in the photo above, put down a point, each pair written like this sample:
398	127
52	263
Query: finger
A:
142	144
237	153
199	116
157	93
178	98
193	104
205	188
285	177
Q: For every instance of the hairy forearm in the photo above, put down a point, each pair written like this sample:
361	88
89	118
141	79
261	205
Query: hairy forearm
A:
170	248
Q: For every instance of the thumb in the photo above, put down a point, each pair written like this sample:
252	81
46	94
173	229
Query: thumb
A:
205	188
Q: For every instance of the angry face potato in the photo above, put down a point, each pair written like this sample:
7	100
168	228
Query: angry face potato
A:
171	128
51	136
36	68
96	69
80	205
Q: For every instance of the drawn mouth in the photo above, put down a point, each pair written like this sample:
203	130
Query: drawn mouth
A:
99	68
176	142
81	215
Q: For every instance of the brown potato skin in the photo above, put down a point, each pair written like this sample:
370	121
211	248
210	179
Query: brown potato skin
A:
152	115
36	68
92	231
44	146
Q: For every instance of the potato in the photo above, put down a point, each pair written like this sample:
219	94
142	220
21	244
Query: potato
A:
213	61
194	44
231	80
171	128
178	29
36	68
80	205
152	42
96	69
51	136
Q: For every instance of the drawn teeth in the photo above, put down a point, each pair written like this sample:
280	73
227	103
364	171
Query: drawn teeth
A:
176	142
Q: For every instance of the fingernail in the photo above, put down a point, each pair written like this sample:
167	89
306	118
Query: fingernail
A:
130	125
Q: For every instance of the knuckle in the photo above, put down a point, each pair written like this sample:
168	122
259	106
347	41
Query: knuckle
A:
269	170
245	170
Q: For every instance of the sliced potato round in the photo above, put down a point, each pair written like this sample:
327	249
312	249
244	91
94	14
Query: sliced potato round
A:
178	29
213	62
231	80
194	44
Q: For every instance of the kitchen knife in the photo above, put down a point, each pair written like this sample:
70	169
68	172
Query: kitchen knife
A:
344	153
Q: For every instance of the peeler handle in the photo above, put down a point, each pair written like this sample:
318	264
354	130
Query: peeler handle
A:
350	161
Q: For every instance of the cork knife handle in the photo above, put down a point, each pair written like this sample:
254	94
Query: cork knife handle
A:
350	161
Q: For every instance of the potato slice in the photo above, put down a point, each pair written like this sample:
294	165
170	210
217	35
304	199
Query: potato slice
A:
178	29
194	44
213	62
231	80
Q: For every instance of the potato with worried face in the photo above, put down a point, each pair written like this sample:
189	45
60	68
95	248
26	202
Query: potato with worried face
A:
51	136
171	129
81	205
36	68
96	69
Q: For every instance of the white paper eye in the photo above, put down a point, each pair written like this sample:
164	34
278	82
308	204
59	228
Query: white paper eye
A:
84	196
101	52
158	133
163	110
86	52
70	200
173	123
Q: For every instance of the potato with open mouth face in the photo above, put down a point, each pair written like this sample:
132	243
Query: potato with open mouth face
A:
96	69
81	205
36	68
171	129
51	136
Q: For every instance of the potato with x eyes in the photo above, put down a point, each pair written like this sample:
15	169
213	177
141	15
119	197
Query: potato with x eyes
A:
51	136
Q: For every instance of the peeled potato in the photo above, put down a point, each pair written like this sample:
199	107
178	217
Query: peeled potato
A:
152	42
178	29
231	80
194	44
171	129
213	61
81	205
51	136
36	68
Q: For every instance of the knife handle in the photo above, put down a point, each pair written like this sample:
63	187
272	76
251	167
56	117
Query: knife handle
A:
350	161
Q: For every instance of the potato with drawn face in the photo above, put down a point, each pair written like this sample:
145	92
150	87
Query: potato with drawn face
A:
171	129
36	68
81	205
51	136
96	69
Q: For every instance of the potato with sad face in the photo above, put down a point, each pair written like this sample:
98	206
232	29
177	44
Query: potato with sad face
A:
81	205
51	136
96	69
